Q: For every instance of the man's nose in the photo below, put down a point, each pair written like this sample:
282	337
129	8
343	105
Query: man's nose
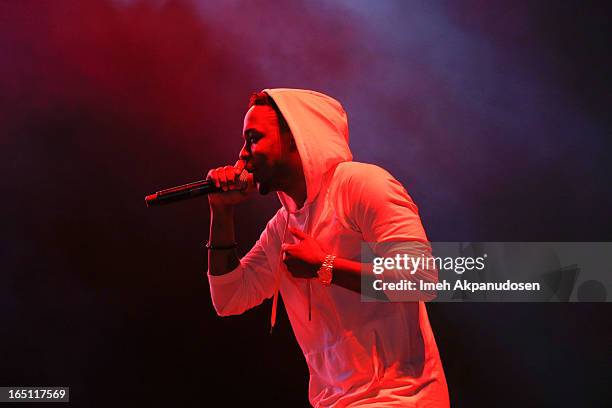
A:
244	153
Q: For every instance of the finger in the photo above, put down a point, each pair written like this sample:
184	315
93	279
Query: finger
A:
239	166
222	178
288	247
290	250
299	234
230	175
212	175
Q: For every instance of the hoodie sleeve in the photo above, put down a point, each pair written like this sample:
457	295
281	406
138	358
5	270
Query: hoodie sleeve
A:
378	206
252	281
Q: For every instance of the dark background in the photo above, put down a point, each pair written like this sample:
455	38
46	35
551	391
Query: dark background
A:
493	114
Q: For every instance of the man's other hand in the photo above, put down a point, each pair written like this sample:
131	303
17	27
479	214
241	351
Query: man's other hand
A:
303	259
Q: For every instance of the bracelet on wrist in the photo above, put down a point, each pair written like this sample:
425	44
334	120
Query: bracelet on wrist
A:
325	272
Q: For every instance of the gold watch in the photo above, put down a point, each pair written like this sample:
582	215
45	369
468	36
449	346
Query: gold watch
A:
325	272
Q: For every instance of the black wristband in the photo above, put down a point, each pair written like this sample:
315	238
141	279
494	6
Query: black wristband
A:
210	246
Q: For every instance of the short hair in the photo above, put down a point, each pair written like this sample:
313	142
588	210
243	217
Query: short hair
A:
263	99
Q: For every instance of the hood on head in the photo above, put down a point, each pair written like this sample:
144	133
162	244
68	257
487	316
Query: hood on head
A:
320	128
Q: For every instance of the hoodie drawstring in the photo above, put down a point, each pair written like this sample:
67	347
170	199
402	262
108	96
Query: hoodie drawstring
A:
278	281
278	278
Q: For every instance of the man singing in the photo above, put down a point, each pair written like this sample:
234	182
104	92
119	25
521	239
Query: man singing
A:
360	354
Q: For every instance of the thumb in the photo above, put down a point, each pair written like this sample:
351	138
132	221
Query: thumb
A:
299	234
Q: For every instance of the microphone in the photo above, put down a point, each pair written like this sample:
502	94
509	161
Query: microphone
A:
191	190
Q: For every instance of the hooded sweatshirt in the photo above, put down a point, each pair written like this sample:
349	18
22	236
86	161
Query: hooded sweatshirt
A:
359	354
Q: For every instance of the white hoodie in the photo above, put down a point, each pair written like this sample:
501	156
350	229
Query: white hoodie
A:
360	354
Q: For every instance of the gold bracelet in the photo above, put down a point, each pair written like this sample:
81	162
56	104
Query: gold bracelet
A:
325	272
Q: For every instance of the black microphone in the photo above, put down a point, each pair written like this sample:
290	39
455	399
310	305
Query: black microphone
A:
191	190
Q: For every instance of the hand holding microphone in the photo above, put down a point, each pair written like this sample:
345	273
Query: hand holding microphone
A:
225	186
234	184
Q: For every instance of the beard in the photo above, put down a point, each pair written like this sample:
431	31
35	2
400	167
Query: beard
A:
262	187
